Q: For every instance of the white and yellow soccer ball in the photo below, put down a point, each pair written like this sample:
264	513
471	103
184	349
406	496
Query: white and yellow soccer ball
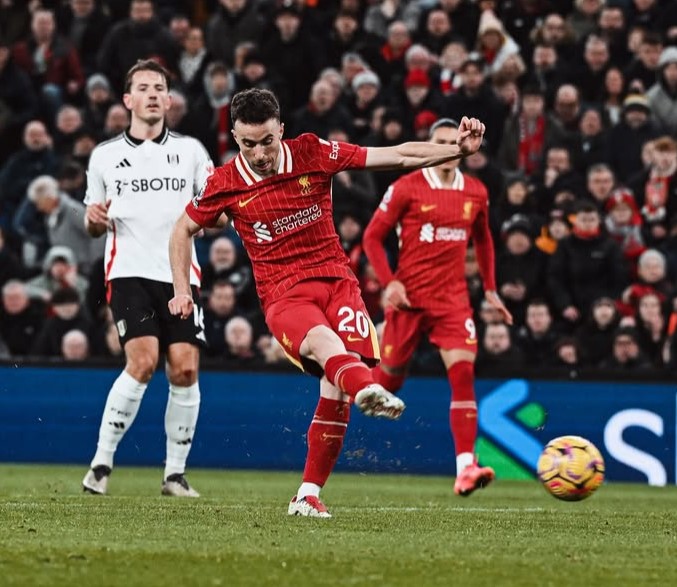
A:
571	468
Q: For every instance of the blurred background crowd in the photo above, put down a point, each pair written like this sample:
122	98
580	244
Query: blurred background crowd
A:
580	102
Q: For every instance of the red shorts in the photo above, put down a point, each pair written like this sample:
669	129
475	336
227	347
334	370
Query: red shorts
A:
446	330
335	303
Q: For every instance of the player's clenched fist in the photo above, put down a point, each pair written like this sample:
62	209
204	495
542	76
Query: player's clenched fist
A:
181	305
98	213
470	135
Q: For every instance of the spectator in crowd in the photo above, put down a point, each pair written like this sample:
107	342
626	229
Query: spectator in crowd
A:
567	354
36	158
209	117
224	264
590	73
85	24
537	338
239	336
193	62
662	96
220	308
67	129
51	62
322	113
364	100
18	101
233	22
644	67
476	98
117	120
493	42
655	190
254	73
389	60
558	176
497	350
600	183
591	144
347	35
451	60
556	229
141	36
652	327
526	134
49	217
67	315
626	355
20	318
10	265
587	265
634	129
178	110
566	113
611	26
652	277
284	50
555	32
59	270
437	33
520	267
418	96
381	15
482	166
547	72
583	19
623	223
597	332
98	99
75	346
614	95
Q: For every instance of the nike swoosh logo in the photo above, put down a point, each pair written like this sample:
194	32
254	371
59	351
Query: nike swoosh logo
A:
428	207
243	203
352	338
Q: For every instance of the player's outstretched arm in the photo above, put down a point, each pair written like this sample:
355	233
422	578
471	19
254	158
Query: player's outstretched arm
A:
180	253
413	155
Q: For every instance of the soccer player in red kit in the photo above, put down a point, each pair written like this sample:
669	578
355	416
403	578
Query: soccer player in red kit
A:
278	195
438	210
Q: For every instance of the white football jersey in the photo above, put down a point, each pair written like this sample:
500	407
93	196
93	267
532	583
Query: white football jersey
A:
148	184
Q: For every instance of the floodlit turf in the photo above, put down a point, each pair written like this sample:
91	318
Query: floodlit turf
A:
386	531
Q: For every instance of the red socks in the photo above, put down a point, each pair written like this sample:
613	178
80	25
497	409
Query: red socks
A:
463	410
348	373
391	382
325	439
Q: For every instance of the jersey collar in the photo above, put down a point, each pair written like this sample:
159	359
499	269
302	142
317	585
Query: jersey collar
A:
250	176
435	182
161	139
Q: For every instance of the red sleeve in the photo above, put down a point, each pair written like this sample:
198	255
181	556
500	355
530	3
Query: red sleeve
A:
484	245
334	156
385	218
206	208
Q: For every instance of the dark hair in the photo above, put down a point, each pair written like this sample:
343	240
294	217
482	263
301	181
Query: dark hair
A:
145	65
442	123
586	207
254	106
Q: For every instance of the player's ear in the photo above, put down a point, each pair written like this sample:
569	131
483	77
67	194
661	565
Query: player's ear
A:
281	129
127	101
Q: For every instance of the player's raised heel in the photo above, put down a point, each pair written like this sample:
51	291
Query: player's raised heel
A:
309	506
178	486
96	480
374	400
471	478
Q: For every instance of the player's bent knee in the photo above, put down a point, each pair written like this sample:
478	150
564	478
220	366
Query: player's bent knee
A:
320	343
141	366
182	376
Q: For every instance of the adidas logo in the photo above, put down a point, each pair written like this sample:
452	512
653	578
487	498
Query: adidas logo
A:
123	163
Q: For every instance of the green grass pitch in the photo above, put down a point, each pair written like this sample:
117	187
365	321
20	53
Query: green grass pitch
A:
386	531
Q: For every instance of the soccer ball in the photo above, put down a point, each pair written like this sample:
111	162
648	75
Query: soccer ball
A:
571	468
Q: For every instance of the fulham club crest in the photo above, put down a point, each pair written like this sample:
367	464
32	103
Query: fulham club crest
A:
173	159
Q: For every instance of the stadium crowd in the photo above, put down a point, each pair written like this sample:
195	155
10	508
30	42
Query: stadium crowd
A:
579	98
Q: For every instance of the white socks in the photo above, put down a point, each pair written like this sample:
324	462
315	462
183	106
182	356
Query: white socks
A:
122	405
464	460
180	420
307	489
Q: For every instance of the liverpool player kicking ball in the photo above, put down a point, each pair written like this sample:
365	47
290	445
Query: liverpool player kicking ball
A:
278	194
439	209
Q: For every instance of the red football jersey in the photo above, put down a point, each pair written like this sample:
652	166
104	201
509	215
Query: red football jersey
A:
285	221
435	224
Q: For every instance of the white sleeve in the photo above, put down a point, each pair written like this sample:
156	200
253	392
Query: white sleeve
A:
96	187
203	167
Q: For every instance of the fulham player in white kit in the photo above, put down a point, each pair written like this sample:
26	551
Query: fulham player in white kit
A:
138	184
